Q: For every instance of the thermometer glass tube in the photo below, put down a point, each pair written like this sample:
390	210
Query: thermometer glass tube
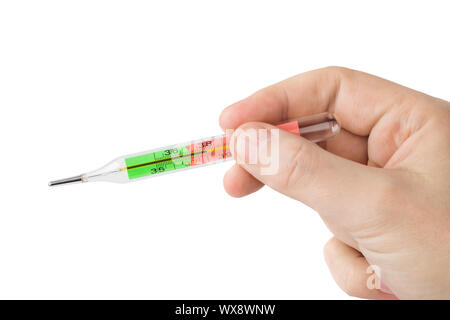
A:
193	154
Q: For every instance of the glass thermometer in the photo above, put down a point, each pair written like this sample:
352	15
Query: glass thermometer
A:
193	154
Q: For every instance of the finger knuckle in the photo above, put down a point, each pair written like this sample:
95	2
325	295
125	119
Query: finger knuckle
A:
338	71
333	69
300	167
266	96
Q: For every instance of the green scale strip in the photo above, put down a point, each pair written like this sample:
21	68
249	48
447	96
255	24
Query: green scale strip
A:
158	162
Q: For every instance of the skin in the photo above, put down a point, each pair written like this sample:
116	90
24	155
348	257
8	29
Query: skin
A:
385	176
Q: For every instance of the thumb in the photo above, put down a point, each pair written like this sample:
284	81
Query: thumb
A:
302	170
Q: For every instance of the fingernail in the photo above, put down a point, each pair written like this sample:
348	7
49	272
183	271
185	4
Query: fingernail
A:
249	142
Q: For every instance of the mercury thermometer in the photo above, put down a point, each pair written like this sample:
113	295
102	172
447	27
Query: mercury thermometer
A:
194	154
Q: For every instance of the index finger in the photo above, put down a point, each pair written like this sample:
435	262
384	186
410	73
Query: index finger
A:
357	99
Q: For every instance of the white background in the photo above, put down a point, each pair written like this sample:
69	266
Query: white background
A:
82	82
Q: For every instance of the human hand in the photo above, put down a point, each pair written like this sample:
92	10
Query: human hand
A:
382	185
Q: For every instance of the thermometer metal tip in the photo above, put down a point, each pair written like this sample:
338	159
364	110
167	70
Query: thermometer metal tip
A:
75	179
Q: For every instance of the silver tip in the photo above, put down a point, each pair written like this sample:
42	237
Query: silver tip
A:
75	179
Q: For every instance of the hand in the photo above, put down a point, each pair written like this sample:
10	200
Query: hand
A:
382	185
